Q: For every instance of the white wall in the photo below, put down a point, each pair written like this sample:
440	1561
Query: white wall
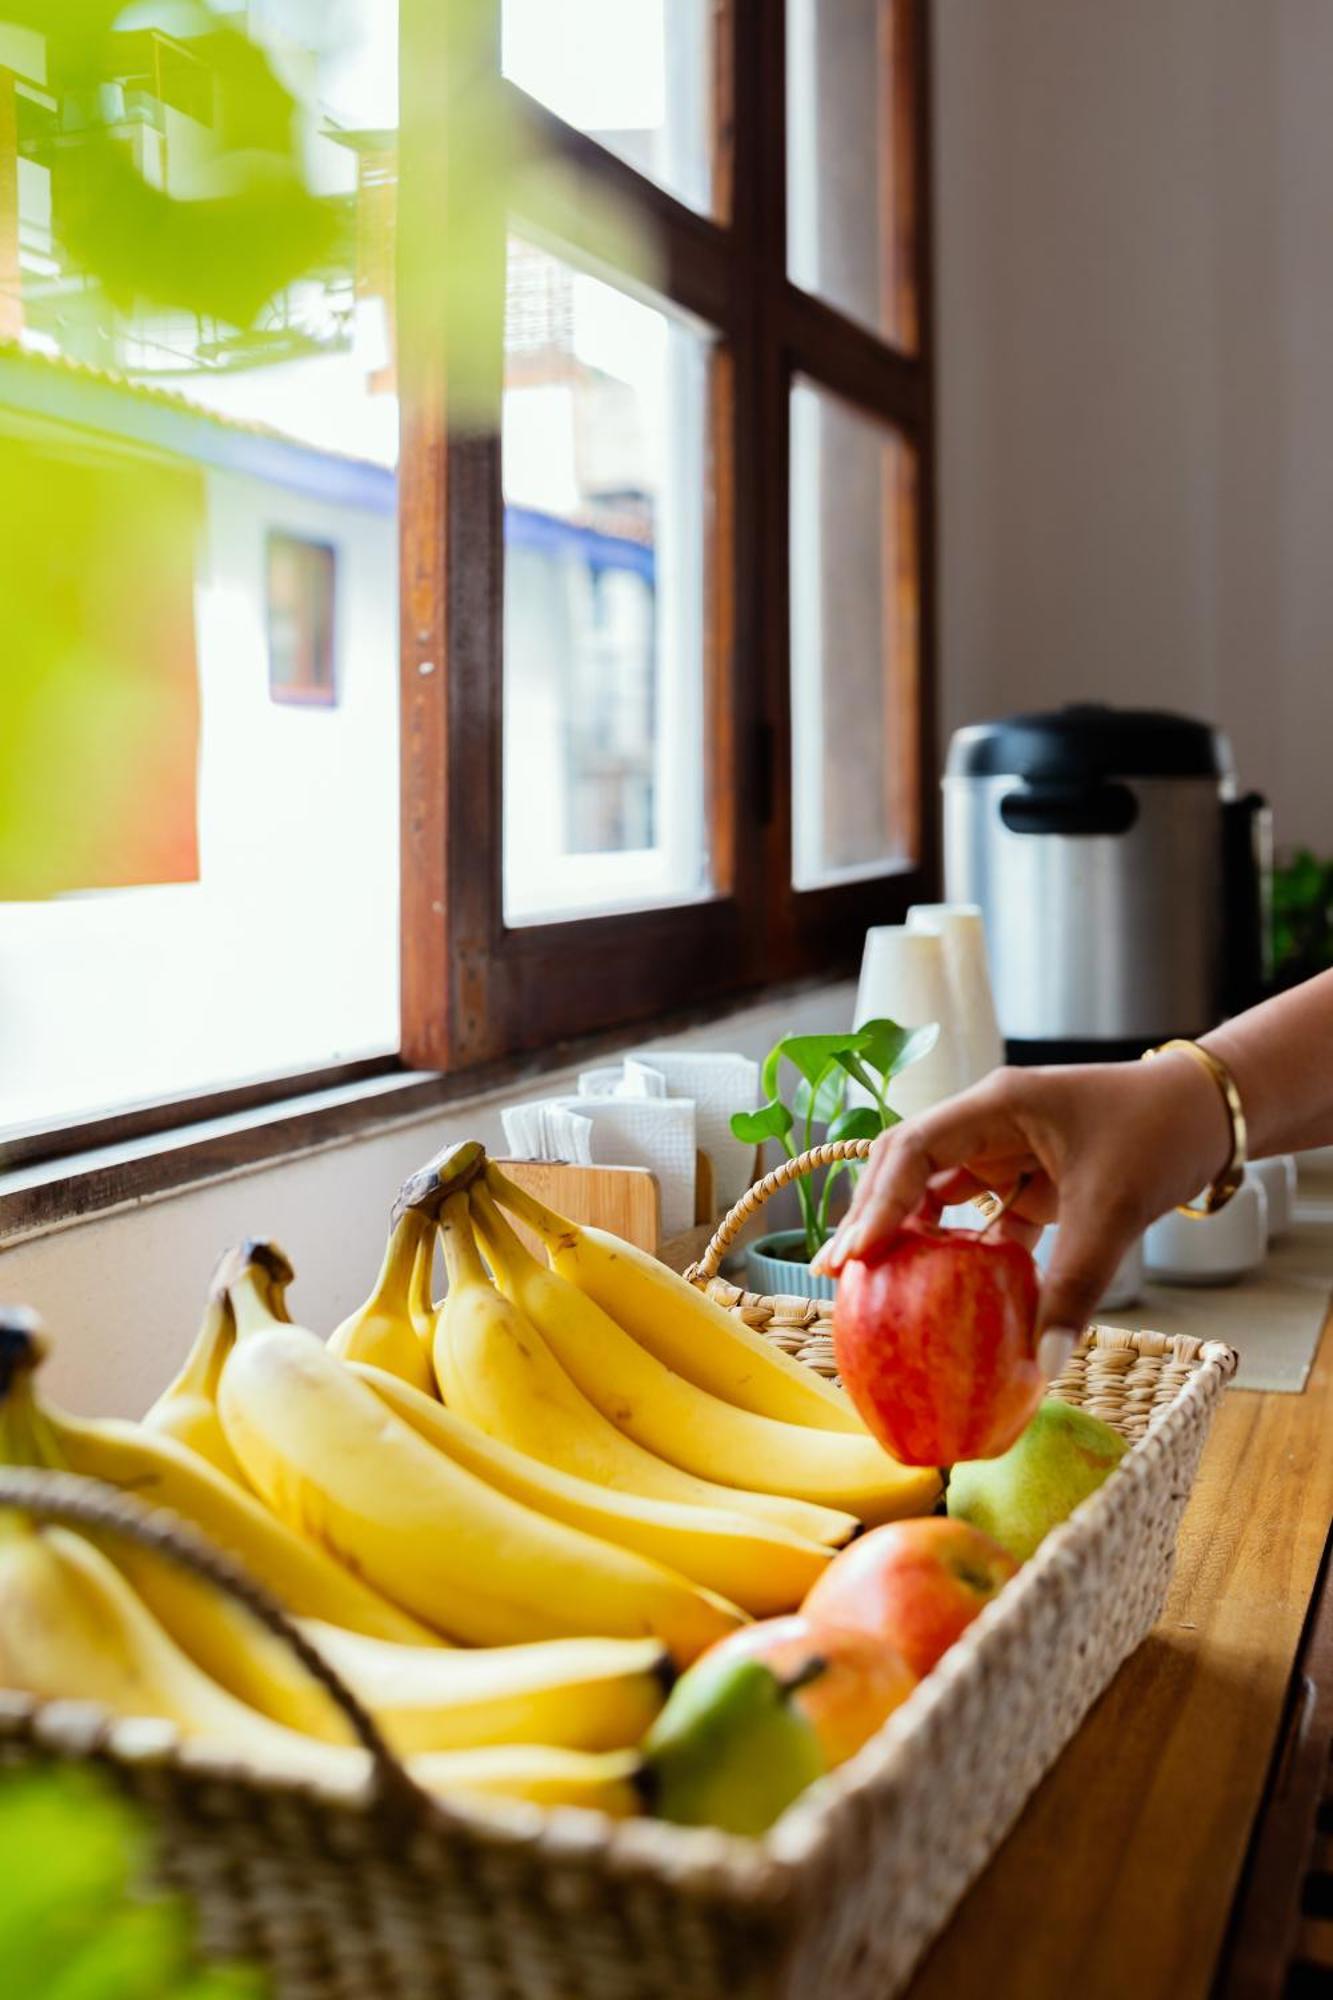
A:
121	1294
1134	245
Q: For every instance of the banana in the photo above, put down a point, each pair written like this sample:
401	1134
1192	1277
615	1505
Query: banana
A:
539	1774
335	1464
187	1408
575	1694
421	1305
158	1469
678	1324
382	1331
763	1569
71	1629
579	1694
670	1416
495	1369
230	1646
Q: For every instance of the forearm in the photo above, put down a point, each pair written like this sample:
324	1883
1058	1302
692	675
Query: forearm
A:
1281	1055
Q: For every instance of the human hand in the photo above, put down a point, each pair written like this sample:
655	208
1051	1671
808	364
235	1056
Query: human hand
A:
1104	1148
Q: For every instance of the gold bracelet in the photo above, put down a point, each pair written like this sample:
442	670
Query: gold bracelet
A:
1233	1173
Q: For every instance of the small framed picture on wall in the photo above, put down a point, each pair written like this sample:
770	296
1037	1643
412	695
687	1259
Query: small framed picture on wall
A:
301	599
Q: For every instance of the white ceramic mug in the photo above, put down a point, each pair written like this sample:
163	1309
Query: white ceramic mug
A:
1277	1177
1211	1249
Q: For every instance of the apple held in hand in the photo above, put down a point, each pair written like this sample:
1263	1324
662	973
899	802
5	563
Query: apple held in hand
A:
934	1335
845	1682
914	1584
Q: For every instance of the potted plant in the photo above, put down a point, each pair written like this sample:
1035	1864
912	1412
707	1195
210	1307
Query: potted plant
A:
826	1067
1302	917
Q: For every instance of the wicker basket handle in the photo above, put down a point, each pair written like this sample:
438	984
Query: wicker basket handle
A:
68	1498
754	1198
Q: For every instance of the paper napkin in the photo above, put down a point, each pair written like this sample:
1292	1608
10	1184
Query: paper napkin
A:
718	1084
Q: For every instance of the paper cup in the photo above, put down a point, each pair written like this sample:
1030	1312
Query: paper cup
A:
905	977
960	927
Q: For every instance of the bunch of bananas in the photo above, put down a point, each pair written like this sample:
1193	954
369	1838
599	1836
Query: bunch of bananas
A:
505	1520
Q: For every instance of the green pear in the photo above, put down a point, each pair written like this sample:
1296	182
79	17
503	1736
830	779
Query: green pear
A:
730	1749
1062	1457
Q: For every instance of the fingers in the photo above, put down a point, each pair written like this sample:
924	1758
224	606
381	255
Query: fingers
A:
1093	1237
1016	1228
968	1128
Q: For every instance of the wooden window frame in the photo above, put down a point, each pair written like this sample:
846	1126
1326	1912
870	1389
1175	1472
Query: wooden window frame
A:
475	990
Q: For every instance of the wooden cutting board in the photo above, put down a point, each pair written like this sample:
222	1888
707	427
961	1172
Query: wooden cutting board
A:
624	1200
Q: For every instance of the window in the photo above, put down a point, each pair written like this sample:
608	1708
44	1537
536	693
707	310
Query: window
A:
201	886
602	463
679	574
637	75
853	641
302	587
607	694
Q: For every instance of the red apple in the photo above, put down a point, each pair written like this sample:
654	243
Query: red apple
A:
845	1682
934	1337
915	1585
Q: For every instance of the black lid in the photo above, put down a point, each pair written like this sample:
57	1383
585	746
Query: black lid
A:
1088	740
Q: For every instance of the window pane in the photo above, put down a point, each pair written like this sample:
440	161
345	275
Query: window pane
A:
198	884
850	195
603	662
636	75
853	641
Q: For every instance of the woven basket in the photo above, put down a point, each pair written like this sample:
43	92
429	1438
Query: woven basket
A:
382	1894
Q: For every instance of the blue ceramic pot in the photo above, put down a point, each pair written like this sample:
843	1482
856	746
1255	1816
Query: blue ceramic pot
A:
775	1264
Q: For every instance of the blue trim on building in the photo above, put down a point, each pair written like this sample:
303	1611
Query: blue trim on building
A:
162	423
548	535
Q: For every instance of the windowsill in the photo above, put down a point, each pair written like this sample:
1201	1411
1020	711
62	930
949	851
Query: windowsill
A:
43	1197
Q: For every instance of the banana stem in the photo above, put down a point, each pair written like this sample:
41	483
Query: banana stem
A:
421	1288
496	1233
252	1301
462	1258
202	1368
27	1435
543	1221
400	1259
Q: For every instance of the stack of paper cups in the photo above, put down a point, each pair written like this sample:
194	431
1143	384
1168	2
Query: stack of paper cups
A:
962	931
905	977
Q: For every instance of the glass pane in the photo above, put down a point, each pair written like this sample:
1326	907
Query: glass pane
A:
853	641
198	842
603	661
849	189
636	75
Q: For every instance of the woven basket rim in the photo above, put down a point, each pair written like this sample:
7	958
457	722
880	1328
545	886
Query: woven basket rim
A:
711	1865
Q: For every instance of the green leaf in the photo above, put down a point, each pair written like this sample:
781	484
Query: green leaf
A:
224	257
772	1121
889	1048
859	1121
823	1101
768	1075
812	1054
138	1953
76	1922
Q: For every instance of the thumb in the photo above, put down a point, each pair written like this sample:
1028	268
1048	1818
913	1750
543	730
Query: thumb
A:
1089	1244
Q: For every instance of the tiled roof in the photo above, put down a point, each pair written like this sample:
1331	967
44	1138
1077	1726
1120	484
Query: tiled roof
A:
13	352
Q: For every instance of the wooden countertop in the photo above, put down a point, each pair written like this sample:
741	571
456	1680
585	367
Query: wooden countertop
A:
1120	1877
